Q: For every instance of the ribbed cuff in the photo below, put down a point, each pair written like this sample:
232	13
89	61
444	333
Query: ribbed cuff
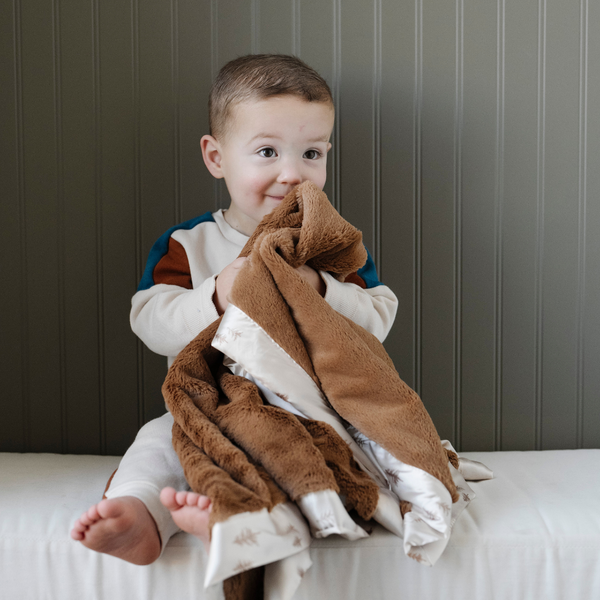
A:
206	312
339	296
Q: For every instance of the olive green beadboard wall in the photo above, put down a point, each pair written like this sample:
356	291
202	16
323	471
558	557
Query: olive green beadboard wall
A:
467	150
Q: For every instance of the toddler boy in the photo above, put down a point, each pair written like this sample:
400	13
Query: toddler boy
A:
271	118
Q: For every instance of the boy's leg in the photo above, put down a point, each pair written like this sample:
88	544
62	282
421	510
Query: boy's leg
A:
133	524
149	465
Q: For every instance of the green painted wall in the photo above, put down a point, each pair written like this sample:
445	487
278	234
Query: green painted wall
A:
467	149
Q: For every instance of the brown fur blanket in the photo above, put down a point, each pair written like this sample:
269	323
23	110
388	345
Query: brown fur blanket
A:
247	455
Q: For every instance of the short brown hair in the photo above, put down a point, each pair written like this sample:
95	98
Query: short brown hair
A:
260	76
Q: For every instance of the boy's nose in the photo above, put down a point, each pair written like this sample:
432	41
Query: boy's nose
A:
290	174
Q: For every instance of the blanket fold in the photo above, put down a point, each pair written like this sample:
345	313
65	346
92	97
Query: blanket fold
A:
333	433
351	366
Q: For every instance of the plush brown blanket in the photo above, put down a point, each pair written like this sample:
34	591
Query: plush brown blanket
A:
247	455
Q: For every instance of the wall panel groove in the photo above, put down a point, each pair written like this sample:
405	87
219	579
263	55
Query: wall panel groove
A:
97	91
458	238
582	188
176	101
215	65
418	196
11	322
499	223
296	27
254	27
60	210
541	163
138	212
23	263
591	340
376	158
336	152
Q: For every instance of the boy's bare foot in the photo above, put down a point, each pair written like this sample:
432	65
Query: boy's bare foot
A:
121	527
190	511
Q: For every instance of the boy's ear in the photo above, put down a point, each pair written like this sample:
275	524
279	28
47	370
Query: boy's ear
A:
211	153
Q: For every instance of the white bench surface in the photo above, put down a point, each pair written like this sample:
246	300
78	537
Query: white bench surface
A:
533	532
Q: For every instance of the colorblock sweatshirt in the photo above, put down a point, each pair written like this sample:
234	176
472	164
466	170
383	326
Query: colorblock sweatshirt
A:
173	303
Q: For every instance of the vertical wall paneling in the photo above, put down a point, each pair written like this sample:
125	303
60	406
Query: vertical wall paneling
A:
464	149
60	210
215	64
214	33
218	186
141	250
438	213
233	38
98	187
582	201
356	116
40	173
116	203
175	93
540	222
561	224
397	182
336	162
499	220
194	80
519	226
591	158
255	27
159	186
314	24
78	227
418	201
13	313
24	289
297	27
458	226
476	222
376	159
277	31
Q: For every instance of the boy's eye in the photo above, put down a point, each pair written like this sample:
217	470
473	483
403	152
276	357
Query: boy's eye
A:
267	152
312	154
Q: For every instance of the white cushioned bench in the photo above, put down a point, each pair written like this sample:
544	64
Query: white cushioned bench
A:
533	532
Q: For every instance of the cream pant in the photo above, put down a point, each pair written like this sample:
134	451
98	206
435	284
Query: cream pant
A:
149	465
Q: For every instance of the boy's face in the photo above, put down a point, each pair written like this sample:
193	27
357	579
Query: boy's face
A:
271	146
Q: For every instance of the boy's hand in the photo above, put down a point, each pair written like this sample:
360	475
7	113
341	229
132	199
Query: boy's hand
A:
224	282
313	278
227	276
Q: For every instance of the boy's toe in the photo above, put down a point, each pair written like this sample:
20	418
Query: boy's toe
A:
168	498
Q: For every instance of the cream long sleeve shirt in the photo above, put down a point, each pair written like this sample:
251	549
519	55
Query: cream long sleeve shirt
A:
174	304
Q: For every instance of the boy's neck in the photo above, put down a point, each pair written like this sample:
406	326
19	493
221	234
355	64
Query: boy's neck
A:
233	221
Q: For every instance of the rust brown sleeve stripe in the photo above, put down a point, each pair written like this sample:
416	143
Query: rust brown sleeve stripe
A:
174	268
162	246
366	276
356	279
